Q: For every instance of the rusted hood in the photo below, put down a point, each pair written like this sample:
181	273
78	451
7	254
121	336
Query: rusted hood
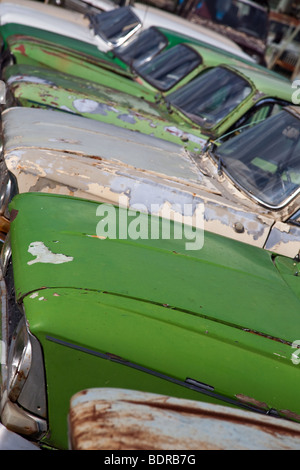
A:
66	154
168	423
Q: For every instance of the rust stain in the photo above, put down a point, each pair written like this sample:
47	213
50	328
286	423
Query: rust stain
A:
129	425
21	48
252	401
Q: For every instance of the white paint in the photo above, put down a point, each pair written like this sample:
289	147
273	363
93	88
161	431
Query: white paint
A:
27	78
44	255
33	296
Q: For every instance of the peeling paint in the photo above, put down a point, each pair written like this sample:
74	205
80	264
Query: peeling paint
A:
44	255
32	79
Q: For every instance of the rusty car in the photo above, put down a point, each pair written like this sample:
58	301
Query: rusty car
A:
165	72
249	188
216	101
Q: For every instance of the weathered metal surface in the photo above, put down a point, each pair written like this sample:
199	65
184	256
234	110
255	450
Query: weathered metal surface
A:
31	86
115	419
50	20
54	153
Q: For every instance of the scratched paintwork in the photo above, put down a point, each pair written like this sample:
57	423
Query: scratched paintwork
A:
32	51
213	317
71	94
49	153
146	421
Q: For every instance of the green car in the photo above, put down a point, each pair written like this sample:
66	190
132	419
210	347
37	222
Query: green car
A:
217	101
164	73
33	46
81	309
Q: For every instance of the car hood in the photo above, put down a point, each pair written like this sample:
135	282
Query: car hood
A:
34	86
101	69
55	245
59	153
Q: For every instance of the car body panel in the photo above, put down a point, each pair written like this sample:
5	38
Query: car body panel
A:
26	50
78	28
52	153
40	87
167	423
182	299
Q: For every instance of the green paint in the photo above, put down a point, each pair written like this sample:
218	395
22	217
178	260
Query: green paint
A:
184	314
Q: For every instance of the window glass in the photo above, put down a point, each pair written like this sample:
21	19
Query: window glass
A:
169	67
264	160
211	96
140	49
114	26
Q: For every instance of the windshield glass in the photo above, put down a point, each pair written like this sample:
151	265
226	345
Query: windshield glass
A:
114	26
264	160
243	16
169	67
279	31
211	96
140	49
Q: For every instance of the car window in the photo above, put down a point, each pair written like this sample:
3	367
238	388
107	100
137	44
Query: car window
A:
245	17
211	96
141	48
295	219
114	26
264	160
169	67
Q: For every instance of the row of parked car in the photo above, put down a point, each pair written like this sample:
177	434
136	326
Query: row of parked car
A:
150	221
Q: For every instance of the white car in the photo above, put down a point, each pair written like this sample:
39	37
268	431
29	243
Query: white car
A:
75	25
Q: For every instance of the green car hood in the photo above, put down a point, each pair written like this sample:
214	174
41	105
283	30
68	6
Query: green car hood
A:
39	87
35	51
225	281
214	324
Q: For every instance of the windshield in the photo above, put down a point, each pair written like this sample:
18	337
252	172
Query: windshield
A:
264	160
169	67
211	96
246	17
140	49
279	31
115	26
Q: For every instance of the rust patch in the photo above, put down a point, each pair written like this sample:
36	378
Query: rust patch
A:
13	214
273	338
21	48
252	401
